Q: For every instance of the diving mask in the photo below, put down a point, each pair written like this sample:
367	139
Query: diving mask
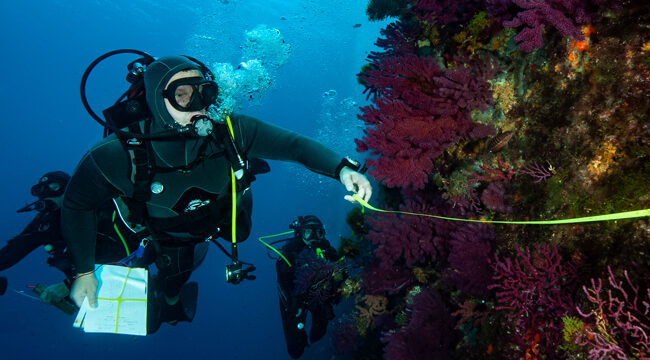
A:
310	234
51	185
191	94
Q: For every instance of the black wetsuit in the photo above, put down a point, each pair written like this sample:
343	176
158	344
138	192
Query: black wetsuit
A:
293	308
45	229
105	172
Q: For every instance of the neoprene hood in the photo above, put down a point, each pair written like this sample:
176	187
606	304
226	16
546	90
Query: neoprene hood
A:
182	150
156	78
51	184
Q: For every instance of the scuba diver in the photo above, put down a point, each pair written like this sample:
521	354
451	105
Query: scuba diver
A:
178	173
307	277
45	230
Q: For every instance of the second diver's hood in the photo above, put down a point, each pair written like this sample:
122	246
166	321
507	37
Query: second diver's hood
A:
174	151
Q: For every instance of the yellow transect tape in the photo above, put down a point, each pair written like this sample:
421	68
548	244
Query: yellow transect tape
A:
608	217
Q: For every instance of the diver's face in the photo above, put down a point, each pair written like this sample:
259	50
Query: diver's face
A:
311	235
181	117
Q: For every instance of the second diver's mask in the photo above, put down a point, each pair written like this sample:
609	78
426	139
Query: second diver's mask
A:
50	185
312	233
309	228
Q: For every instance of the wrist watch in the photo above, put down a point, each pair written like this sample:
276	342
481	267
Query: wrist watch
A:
352	164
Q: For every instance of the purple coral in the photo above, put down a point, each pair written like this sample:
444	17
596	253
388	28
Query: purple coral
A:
536	171
620	323
314	278
406	141
503	172
538	14
535	289
465	88
405	238
421	110
399	38
407	241
445	11
345	337
429	333
469	267
393	76
493	197
563	15
380	278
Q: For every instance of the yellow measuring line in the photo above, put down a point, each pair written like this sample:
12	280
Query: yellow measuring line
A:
274	249
608	217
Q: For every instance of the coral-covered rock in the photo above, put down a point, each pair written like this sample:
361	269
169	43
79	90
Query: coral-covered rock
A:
535	15
420	111
535	290
407	239
493	197
428	334
469	254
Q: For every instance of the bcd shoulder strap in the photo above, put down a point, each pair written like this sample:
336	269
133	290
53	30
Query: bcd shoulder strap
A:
141	175
238	161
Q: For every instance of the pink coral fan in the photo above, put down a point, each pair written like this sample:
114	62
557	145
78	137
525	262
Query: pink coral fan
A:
411	239
400	38
469	254
536	171
381	278
535	15
419	112
619	326
535	288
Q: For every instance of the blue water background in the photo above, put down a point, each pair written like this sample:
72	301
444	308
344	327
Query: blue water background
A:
47	46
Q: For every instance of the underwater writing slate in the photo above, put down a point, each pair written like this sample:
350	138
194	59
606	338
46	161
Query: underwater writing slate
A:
121	302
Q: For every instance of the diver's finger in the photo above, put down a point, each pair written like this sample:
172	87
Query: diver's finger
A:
92	299
45	297
350	199
78	298
349	184
368	193
362	192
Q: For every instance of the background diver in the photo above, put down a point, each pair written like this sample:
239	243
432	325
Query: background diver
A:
45	230
307	281
182	195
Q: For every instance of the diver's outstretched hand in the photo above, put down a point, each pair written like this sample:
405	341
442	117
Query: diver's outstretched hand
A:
55	293
85	286
355	182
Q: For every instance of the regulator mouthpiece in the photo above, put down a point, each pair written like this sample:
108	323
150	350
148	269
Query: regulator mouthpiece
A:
202	125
